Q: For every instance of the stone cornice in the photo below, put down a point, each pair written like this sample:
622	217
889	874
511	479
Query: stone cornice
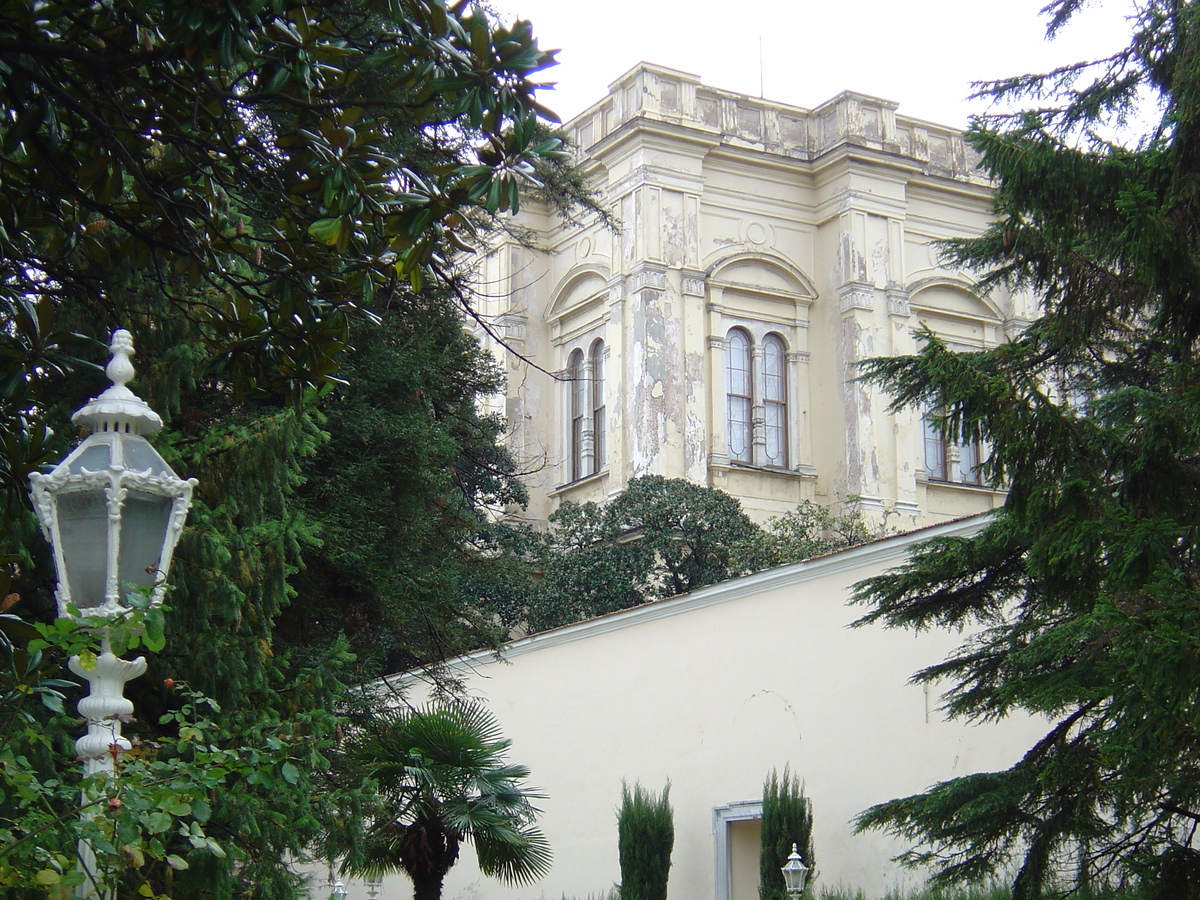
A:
653	99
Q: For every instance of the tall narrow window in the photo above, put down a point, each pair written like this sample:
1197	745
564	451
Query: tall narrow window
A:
935	448
775	400
579	401
739	396
968	464
586	411
599	435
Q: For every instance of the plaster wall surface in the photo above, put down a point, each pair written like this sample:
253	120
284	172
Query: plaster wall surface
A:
812	227
709	692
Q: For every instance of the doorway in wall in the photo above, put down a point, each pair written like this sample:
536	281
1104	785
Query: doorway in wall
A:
737	835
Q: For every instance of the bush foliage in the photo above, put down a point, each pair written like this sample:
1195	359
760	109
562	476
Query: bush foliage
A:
646	836
786	820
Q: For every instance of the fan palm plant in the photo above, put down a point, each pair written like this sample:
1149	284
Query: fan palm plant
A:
442	779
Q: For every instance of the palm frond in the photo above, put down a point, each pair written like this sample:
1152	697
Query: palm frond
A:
443	778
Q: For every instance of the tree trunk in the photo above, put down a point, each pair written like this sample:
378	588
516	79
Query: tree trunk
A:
427	885
427	852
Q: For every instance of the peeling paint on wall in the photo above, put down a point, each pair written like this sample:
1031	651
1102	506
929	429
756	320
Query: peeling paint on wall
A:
851	265
856	404
629	217
648	412
675	393
674	235
877	247
695	455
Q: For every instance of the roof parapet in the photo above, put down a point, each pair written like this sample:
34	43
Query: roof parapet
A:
655	93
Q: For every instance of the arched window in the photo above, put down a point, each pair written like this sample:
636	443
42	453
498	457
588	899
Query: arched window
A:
585	383
579	402
597	397
739	394
774	387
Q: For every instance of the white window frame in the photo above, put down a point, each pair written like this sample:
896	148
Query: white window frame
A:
959	462
760	402
599	404
739	396
775	401
585	407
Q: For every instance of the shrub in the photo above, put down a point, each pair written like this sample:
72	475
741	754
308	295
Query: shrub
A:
810	530
787	820
646	836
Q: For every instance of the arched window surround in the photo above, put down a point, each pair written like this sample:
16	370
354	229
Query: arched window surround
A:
758	399
762	293
965	322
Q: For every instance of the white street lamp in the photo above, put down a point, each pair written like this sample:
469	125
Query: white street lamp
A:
112	511
337	890
795	873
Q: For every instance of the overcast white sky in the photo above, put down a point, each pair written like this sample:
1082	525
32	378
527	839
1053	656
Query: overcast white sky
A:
921	53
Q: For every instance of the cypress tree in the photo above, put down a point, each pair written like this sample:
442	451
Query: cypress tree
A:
1081	594
646	836
786	820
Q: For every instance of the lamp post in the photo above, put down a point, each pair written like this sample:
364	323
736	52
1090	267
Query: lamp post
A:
112	512
795	873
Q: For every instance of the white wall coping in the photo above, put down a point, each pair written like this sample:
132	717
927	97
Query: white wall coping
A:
881	550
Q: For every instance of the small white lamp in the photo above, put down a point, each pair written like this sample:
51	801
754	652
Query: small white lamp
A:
795	873
113	510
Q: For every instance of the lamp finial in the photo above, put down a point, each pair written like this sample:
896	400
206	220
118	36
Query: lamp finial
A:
120	369
119	408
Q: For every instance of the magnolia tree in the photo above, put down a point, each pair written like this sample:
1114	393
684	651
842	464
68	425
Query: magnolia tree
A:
242	185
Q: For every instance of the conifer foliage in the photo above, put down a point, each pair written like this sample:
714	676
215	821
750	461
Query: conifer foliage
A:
646	837
787	819
399	491
1081	593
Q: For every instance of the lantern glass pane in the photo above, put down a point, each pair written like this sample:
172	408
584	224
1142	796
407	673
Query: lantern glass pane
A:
140	456
83	529
144	521
94	458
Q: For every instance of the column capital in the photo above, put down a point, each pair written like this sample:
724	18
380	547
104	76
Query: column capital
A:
856	295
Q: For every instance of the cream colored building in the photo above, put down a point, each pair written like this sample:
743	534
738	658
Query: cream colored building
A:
764	251
710	691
